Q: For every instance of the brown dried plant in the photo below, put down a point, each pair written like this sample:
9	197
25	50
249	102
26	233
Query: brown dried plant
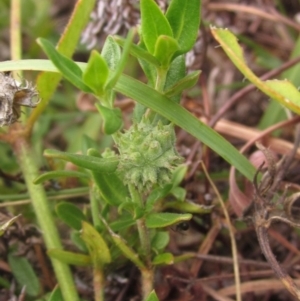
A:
267	208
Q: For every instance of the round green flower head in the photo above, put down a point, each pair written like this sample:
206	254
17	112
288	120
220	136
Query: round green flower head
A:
147	155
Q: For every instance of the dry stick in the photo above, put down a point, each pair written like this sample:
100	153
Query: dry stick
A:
213	293
273	16
257	286
232	238
262	235
205	247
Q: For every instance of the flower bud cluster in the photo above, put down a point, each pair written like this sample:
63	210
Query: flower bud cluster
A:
147	155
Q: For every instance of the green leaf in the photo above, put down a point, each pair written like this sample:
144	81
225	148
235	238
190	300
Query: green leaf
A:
187	206
78	242
179	174
153	24
56	295
122	62
282	91
70	214
7	224
165	219
165	47
48	81
96	73
139	52
152	297
187	82
59	174
67	67
175	73
100	165
135	210
111	188
162	105
164	258
179	193
160	240
24	274
111	52
112	119
123	222
127	251
181	117
184	18
97	246
70	257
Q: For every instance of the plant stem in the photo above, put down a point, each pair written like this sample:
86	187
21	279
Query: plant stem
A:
148	272
44	217
98	280
147	282
95	207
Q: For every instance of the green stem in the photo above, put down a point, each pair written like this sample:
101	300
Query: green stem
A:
147	282
98	280
141	226
95	208
148	272
44	217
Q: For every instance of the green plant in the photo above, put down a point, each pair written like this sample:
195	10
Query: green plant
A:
128	187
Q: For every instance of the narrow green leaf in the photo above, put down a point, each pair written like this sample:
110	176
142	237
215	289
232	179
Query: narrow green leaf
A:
70	257
66	66
282	91
24	274
112	119
70	214
164	258
96	73
163	106
48	81
184	18
127	251
139	52
187	206
59	174
154	24
187	82
100	165
165	47
179	116
97	246
165	219
152	297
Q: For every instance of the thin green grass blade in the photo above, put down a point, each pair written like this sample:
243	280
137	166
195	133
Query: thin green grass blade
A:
162	105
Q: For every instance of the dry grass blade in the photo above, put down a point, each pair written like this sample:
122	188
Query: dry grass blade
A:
231	234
